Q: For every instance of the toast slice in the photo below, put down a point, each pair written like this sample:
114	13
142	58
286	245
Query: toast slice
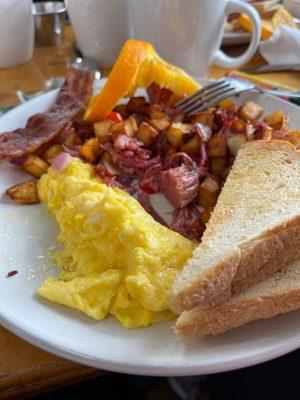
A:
254	229
280	293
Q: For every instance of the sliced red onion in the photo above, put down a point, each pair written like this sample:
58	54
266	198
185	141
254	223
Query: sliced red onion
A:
60	162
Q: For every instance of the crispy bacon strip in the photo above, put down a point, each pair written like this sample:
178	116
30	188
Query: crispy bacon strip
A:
41	128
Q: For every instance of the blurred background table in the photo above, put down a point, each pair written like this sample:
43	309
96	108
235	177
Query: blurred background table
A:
24	369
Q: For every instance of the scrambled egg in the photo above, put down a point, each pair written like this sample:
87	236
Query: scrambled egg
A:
114	257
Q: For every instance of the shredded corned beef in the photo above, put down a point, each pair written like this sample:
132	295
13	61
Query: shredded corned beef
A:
158	95
151	181
129	155
186	222
144	200
180	181
121	182
124	142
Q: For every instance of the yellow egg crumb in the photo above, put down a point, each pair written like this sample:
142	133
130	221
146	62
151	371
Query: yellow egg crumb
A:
114	257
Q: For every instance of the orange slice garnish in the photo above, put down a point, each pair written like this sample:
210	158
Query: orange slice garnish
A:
137	66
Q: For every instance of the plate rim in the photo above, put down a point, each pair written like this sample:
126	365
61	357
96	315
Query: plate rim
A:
40	340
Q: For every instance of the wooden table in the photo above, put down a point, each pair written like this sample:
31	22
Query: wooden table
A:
25	369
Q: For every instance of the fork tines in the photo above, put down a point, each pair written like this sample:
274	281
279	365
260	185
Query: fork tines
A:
206	97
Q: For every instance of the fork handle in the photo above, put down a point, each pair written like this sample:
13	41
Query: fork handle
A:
234	6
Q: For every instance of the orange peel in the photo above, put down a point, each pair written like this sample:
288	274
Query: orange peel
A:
137	66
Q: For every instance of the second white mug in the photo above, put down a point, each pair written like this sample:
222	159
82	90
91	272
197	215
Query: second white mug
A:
188	33
101	27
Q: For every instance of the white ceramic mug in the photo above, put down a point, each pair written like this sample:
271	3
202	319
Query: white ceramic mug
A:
188	33
16	32
101	27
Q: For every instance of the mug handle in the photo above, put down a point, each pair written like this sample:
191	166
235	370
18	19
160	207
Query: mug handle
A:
222	59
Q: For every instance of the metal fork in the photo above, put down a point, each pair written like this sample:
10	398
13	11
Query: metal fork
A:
222	89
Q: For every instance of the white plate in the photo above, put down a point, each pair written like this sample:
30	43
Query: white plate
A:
238	38
27	232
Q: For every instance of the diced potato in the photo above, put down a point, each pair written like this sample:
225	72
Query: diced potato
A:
52	151
293	136
160	124
234	143
121	128
176	131
133	123
136	105
35	166
238	126
146	133
174	136
278	120
192	146
91	150
156	113
228	105
208	192
266	133
217	147
205	215
24	193
218	164
250	111
170	150
102	131
72	138
205	118
122	110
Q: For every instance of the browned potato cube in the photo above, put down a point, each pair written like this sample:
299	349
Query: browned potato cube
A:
293	136
234	143
156	113
136	105
218	164
205	215
266	133
35	166
228	105
24	193
121	128
91	150
205	118
52	151
238	126
278	120
217	147
72	139
146	133
122	110
133	123
160	124
208	192
250	111
170	150
192	146
176	131
102	131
